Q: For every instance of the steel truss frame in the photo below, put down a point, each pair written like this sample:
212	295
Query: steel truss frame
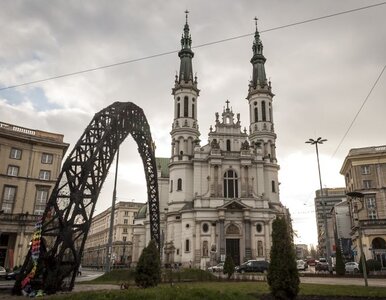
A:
67	218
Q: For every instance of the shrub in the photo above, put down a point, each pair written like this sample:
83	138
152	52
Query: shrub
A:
339	264
283	276
148	270
373	265
229	266
361	265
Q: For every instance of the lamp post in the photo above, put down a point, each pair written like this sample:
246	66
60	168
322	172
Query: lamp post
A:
319	140
360	196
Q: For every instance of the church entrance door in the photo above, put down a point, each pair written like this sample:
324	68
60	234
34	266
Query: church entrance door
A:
233	249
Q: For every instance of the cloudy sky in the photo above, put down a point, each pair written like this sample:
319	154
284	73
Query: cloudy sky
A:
321	73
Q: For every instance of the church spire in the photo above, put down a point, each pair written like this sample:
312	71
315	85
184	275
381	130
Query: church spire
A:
257	61
186	54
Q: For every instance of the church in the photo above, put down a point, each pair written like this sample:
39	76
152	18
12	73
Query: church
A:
220	198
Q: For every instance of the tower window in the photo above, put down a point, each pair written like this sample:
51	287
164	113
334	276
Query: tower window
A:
187	245
179	184
193	111
186	107
230	184
273	186
178	109
171	185
270	112
263	111
255	111
228	145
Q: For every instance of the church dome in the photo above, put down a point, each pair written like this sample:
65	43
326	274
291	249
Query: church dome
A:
142	212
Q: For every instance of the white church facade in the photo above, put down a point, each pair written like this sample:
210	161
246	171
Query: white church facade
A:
220	198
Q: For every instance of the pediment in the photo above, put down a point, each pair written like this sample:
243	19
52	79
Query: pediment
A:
235	205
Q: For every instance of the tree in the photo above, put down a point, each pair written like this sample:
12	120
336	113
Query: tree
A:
339	263
361	265
148	270
229	266
283	276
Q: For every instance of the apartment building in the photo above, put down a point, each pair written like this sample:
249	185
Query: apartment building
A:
30	162
324	201
365	173
95	250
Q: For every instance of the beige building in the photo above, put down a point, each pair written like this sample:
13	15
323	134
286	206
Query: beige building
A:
324	203
95	250
365	172
30	162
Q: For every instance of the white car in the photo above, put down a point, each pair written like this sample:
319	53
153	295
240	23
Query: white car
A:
301	264
217	268
351	267
3	272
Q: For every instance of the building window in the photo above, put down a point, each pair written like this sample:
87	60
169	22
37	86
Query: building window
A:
259	227
367	184
9	196
124	238
187	245
126	214
186	107
124	230
47	158
15	153
44	175
370	201
179	184
171	185
263	111
228	145
41	200
205	227
365	170
256	114
193	111
273	186
270	112
230	184
13	170
372	214
125	221
178	109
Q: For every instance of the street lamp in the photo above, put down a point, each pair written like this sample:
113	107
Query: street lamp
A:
360	196
319	140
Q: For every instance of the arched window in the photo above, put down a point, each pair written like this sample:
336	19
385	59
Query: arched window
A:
193	111
273	186
179	184
228	145
230	184
186	107
171	185
263	111
270	113
187	245
256	114
178	109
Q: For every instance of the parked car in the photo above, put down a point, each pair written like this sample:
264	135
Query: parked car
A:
12	275
321	266
3	272
253	266
217	268
301	265
311	262
351	267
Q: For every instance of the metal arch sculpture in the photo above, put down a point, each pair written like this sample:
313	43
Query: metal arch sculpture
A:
60	236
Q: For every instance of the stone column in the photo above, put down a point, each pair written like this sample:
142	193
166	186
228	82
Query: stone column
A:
247	235
222	231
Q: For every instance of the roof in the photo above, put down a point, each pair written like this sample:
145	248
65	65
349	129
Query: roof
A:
163	165
142	212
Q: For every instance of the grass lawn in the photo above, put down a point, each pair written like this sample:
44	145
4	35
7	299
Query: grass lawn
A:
219	290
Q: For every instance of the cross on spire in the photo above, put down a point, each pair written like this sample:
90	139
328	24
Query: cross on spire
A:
255	18
227	102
